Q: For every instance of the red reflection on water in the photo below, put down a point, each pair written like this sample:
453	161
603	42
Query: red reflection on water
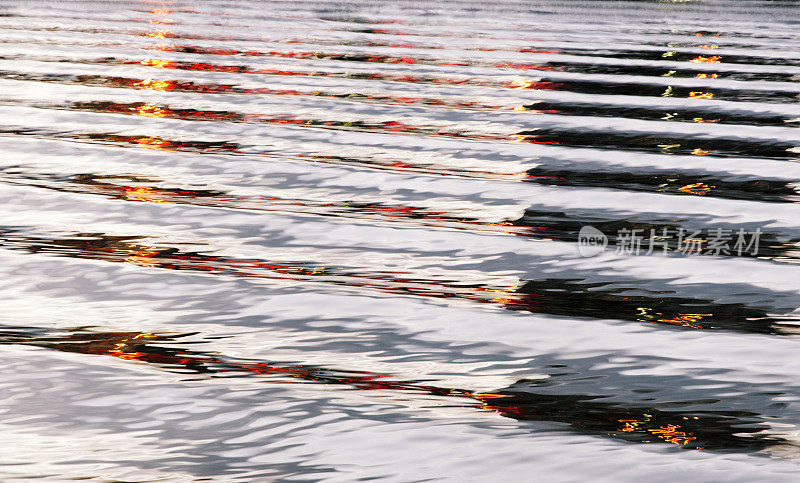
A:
171	85
354	57
121	250
714	59
162	144
509	65
109	185
516	84
192	114
694	430
161	34
155	84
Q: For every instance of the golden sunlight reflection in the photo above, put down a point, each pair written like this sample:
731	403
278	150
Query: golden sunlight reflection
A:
532	84
142	257
155	84
521	84
670	433
696	188
151	110
159	64
151	142
143	193
161	34
686	320
714	59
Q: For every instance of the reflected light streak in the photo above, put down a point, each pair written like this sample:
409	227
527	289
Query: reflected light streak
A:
700	95
143	193
631	423
155	84
686	320
161	34
159	64
714	59
152	111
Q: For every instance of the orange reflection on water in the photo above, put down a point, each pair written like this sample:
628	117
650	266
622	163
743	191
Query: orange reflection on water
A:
706	76
686	320
151	110
122	354
700	119
155	84
528	138
487	395
522	84
316	55
159	64
696	188
671	434
143	193
161	34
714	59
155	143
629	426
518	137
142	258
700	95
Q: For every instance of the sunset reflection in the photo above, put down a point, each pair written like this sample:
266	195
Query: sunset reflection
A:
152	111
159	64
714	59
161	34
700	95
556	297
155	84
632	423
346	240
143	193
151	142
686	320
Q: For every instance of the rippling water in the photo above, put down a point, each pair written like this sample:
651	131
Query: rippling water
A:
339	240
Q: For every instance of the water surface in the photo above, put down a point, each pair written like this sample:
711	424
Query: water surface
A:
339	240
